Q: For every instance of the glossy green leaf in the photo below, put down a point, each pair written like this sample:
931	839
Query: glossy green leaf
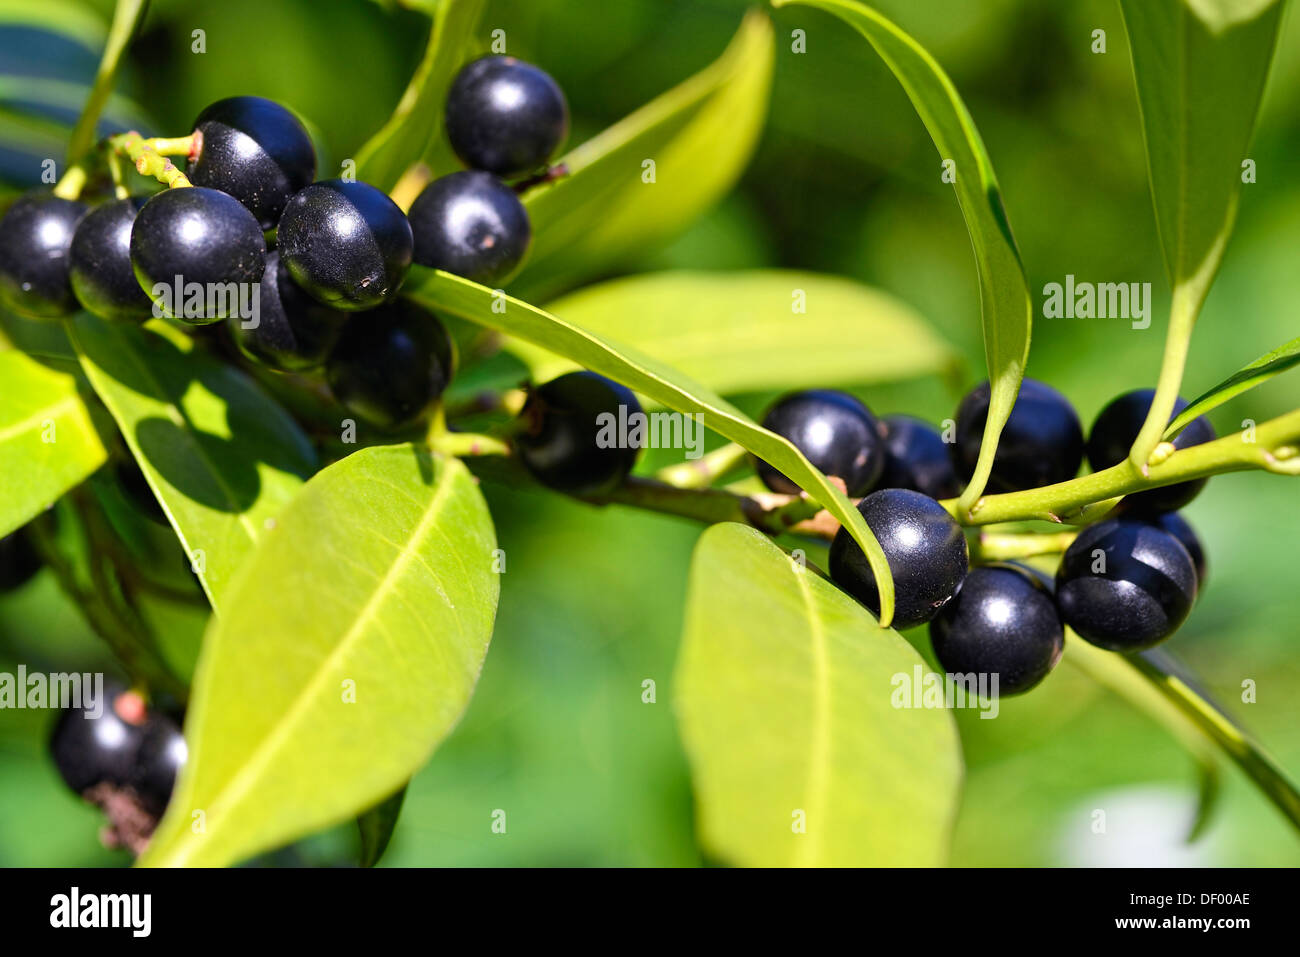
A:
786	701
1256	373
1005	301
349	648
48	443
699	136
444	292
221	456
751	331
376	828
416	123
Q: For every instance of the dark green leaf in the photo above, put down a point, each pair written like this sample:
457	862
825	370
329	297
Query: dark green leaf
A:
447	293
785	695
351	643
1256	373
222	457
1005	301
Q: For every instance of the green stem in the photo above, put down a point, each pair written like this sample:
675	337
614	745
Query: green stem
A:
1002	546
1182	319
468	444
706	470
774	514
148	160
71	183
126	17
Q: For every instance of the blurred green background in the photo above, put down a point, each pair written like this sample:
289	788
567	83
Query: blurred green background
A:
845	181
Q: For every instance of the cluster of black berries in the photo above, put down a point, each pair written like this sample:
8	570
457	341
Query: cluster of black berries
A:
1124	584
339	246
123	757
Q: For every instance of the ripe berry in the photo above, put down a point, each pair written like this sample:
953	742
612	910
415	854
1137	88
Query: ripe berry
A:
1041	444
19	561
1125	585
255	150
90	750
1002	621
162	755
916	457
470	224
1177	526
562	444
1112	436
835	431
505	116
346	243
198	239
35	237
294	332
100	262
389	366
925	548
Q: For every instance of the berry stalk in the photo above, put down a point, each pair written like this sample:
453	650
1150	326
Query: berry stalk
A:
150	156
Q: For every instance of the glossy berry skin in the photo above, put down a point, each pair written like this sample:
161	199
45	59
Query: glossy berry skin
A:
835	431
294	332
505	116
96	750
35	239
925	548
255	150
1042	443
346	243
1002	621
916	457
471	224
1113	433
1177	526
206	238
561	444
103	278
1134	599
162	754
19	561
389	366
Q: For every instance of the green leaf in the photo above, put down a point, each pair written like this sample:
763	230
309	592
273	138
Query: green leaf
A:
1005	302
376	826
1256	373
699	135
751	331
350	646
785	693
221	456
444	292
416	122
48	443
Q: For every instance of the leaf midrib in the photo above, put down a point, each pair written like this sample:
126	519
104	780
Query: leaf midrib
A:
819	746
68	403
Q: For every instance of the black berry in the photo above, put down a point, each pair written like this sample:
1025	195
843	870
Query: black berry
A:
390	365
505	116
1003	621
925	548
1041	444
916	457
162	755
101	271
346	243
835	431
104	748
1125	585
35	239
19	561
1177	526
1112	437
470	224
255	150
568	443
197	252
293	332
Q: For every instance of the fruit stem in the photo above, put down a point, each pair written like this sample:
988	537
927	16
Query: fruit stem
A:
1000	546
71	183
468	444
1182	319
127	15
706	470
148	160
768	512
